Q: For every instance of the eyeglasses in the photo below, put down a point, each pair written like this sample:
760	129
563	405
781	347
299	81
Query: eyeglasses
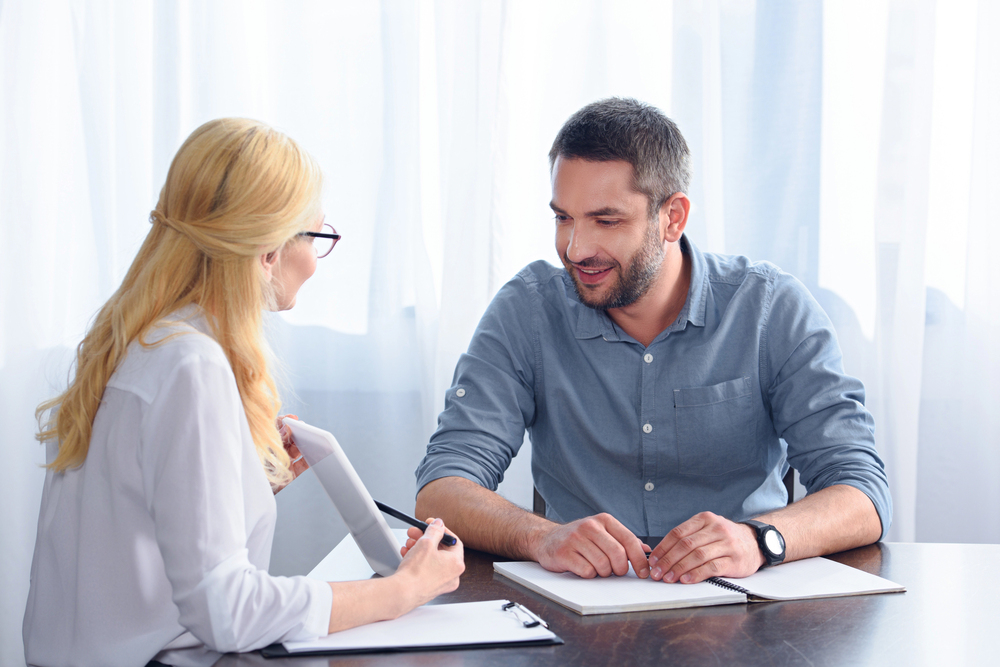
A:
324	241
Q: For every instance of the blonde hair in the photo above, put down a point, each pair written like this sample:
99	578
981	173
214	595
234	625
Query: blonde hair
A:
236	189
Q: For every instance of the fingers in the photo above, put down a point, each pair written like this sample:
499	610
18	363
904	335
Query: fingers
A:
595	546
633	550
438	530
684	548
434	532
591	559
431	537
433	569
581	566
710	560
279	422
602	550
669	543
299	466
412	535
706	545
286	433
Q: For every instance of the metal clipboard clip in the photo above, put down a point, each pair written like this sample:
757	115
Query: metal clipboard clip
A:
528	618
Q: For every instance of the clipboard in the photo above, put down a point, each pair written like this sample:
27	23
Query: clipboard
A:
436	627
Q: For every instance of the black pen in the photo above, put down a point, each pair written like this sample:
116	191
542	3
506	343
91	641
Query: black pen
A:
447	540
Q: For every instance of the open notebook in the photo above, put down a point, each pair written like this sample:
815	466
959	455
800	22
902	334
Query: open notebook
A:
799	580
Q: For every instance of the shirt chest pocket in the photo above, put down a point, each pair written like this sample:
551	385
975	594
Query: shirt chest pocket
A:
715	428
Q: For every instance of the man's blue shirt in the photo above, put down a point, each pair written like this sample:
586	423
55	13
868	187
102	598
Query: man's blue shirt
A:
699	420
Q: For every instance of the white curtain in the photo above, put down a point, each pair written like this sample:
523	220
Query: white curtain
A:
852	143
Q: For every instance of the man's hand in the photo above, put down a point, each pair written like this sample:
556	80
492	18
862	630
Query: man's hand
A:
594	546
706	545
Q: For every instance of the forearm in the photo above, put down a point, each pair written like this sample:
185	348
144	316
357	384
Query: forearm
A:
484	520
359	602
833	519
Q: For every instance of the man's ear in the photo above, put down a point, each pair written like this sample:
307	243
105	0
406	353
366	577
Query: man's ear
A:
674	216
267	261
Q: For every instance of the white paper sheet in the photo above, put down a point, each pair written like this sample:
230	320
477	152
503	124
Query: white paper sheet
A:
458	624
813	578
608	595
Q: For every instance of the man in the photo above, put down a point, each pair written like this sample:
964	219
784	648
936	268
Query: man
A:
659	385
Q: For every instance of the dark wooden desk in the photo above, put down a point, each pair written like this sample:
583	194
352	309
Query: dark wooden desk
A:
950	615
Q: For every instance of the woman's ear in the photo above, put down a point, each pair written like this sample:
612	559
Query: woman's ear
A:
267	261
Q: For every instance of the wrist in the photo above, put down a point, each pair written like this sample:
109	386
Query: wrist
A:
402	594
751	539
769	540
534	538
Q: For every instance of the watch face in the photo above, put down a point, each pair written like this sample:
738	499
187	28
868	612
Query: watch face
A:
772	539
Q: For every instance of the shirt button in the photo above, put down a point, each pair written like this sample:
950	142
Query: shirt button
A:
647	428
460	393
648	358
650	486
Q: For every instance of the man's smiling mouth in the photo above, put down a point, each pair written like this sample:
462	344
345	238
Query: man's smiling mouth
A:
591	276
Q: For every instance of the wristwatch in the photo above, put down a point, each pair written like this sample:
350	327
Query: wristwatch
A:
771	543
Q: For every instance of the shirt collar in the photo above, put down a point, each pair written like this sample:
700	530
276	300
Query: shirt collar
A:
591	323
697	298
193	315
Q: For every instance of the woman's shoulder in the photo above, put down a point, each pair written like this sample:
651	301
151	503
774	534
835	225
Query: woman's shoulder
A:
176	342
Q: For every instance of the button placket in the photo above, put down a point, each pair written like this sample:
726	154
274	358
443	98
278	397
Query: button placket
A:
647	415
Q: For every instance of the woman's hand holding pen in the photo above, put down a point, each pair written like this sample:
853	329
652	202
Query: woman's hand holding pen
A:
428	570
432	568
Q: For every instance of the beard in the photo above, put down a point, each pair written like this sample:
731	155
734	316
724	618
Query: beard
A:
633	281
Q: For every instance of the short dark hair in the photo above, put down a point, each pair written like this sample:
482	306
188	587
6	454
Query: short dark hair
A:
621	128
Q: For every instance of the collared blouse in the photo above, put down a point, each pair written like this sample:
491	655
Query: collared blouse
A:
162	538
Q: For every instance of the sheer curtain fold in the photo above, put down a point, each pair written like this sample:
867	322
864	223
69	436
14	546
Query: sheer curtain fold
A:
46	293
468	100
853	144
958	497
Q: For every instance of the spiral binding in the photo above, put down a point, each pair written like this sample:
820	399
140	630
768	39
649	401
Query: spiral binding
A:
722	583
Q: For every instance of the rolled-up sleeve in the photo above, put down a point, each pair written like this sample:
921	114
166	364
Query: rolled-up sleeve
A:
198	473
491	401
815	406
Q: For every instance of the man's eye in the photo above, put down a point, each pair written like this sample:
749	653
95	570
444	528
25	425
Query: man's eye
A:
561	218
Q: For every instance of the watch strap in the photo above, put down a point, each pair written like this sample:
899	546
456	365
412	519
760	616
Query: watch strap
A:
760	530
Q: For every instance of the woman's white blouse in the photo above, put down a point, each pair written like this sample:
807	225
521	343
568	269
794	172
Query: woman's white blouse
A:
162	537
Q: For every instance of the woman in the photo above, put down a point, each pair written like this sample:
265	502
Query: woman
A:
157	513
